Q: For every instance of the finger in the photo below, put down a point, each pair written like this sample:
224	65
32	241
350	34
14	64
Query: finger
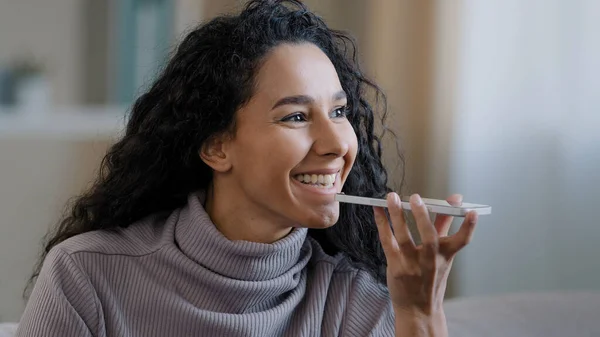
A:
442	221
401	231
464	235
388	242
429	237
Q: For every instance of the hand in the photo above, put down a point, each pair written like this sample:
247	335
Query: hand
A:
417	275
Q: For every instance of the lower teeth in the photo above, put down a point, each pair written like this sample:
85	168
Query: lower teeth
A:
317	185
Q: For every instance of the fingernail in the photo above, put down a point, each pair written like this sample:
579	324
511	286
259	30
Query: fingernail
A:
474	217
455	200
416	199
397	199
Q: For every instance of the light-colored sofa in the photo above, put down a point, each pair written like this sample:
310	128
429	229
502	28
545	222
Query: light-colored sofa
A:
8	329
568	314
565	314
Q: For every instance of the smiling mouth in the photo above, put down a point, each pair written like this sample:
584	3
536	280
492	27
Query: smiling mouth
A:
317	180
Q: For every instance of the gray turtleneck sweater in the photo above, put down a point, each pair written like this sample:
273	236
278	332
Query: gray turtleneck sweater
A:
182	277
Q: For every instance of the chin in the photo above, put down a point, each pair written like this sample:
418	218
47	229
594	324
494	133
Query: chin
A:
321	220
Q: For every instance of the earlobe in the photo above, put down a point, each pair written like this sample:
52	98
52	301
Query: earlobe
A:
213	153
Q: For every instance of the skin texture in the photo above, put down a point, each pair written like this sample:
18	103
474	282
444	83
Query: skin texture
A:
417	275
254	195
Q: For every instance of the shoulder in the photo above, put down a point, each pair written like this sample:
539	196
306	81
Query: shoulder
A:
63	289
140	238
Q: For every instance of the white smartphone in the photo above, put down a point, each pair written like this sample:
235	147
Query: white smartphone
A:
433	205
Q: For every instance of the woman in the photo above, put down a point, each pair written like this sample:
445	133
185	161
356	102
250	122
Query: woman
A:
214	215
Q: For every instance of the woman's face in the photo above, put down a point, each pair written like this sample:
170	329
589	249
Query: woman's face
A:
293	146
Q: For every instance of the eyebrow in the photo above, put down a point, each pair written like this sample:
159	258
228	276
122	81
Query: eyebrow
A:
305	100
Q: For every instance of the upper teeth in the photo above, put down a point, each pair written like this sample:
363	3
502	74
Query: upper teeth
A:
323	179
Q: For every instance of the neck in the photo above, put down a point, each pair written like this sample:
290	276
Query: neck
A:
240	221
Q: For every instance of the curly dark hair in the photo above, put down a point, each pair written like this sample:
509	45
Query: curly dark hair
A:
155	165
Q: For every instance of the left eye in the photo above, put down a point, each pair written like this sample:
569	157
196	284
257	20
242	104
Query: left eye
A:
340	112
296	118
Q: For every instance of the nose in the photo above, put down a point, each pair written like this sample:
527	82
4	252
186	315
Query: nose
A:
330	138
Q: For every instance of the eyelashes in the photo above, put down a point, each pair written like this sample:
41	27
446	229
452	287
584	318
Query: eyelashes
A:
296	118
299	117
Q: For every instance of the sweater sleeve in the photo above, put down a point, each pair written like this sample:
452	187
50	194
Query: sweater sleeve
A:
62	302
369	311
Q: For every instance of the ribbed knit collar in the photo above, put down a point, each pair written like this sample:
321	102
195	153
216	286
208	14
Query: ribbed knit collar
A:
201	241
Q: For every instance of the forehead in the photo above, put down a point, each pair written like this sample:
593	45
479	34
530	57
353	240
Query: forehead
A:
297	69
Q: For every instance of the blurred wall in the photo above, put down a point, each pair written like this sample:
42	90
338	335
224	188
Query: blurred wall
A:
53	32
38	176
398	55
97	25
525	120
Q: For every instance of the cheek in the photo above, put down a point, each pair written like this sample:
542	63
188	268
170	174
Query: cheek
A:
269	157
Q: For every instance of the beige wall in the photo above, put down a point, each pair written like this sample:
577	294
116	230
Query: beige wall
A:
187	13
38	176
398	55
98	24
51	30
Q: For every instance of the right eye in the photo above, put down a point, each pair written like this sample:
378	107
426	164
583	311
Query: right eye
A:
296	118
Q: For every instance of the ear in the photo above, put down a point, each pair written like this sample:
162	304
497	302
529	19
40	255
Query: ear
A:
214	153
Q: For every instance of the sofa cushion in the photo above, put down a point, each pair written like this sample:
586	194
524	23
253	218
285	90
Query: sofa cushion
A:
8	329
568	314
